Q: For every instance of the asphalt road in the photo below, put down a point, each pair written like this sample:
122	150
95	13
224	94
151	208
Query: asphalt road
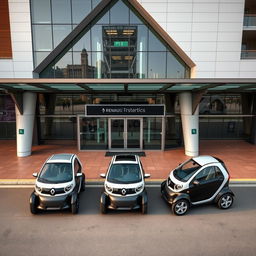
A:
205	230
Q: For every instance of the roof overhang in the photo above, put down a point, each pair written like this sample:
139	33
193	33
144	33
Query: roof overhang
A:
127	86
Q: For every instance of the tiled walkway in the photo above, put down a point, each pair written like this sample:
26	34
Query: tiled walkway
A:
239	157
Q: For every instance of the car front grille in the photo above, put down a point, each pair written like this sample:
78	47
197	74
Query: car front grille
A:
129	191
47	191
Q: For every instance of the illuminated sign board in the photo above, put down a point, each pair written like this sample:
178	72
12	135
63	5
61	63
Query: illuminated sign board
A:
121	43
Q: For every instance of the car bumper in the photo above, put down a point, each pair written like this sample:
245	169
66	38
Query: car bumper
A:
125	202
54	202
167	194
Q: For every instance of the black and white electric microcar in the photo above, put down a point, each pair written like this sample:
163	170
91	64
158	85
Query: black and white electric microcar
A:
58	184
202	179
124	186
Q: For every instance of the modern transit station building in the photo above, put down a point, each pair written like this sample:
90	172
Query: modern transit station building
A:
127	75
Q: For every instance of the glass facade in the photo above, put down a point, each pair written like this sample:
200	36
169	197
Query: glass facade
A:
116	45
7	117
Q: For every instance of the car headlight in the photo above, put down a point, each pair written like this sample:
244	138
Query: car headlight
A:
138	189
38	189
109	189
68	188
178	186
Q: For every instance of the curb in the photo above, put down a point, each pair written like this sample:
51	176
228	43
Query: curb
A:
22	182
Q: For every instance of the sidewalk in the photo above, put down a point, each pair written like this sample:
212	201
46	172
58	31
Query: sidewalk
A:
239	157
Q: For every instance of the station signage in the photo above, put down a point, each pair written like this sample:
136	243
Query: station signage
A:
124	110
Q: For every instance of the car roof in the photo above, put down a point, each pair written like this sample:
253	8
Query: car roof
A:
61	158
203	160
126	159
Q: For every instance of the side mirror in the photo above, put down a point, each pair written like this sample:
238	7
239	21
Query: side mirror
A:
146	175
79	174
35	174
196	182
103	175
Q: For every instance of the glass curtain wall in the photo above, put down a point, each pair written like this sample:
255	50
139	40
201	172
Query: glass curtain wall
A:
7	117
116	45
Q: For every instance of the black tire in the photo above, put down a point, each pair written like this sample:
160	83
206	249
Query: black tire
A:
225	201
33	204
75	207
103	202
83	183
180	207
103	208
33	208
144	208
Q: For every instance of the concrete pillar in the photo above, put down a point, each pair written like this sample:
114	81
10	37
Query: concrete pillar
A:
25	124
190	124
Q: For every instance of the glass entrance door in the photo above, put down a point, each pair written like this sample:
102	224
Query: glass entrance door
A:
117	133
134	133
125	133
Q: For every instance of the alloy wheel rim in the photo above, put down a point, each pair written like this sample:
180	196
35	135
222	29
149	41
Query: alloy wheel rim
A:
181	208
226	201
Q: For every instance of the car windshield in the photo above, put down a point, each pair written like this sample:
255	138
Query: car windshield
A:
56	173
124	173
186	171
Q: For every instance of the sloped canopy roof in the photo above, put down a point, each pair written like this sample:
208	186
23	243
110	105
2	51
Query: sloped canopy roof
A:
98	10
101	86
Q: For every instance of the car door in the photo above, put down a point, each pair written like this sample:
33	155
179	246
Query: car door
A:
209	180
77	169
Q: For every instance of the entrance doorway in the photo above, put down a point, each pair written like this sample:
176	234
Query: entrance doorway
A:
125	133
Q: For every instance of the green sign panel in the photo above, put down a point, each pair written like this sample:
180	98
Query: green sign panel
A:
193	131
121	44
21	131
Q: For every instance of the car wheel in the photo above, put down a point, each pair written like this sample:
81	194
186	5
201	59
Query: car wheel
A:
103	206
180	207
83	183
33	204
75	207
144	208
225	201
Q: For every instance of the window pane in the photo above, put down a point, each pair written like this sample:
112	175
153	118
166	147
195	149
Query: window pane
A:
97	38
141	65
83	43
42	37
39	57
104	19
134	19
59	33
157	65
64	67
93	133
155	44
98	65
95	3
61	11
41	11
80	9
152	129
142	38
82	65
119	13
174	68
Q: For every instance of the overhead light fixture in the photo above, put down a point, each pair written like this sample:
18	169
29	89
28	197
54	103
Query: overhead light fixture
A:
116	58
128	32
111	31
128	57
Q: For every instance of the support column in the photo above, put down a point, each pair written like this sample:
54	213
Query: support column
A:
25	124
190	124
